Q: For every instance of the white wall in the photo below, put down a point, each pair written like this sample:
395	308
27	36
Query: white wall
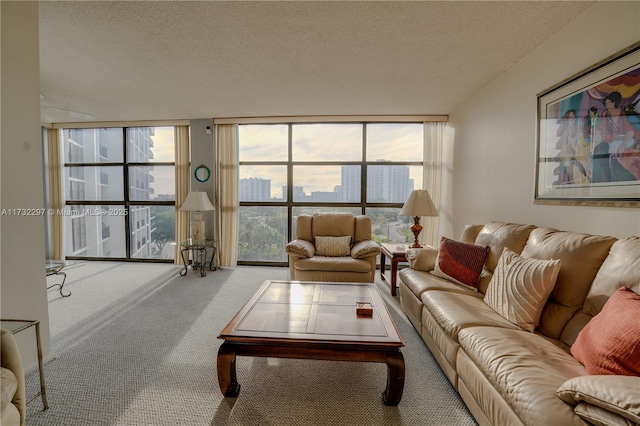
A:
22	253
494	142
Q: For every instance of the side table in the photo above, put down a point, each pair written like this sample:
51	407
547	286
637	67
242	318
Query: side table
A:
199	255
16	326
55	268
396	253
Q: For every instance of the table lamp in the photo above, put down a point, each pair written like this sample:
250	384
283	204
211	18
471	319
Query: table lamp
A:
419	204
197	202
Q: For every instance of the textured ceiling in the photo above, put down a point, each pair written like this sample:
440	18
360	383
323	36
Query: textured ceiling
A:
143	60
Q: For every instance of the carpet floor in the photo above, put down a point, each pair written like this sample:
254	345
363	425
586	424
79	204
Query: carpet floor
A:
145	354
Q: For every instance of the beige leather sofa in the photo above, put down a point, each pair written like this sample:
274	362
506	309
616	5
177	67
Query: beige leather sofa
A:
356	264
11	381
509	376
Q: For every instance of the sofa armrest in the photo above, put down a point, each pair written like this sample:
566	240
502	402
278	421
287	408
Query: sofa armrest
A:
604	393
364	249
422	259
301	248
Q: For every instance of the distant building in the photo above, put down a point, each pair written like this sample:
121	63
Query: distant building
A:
254	189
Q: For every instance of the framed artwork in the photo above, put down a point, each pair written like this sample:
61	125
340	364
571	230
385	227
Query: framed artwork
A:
588	136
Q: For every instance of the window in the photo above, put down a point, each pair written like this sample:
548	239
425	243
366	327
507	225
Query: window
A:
120	193
292	169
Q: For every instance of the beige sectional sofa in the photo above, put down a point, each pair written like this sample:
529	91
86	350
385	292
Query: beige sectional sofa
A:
505	374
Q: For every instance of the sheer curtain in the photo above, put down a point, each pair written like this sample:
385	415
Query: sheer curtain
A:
432	178
56	194
182	174
227	193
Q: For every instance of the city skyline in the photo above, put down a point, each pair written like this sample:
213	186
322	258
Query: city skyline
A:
386	182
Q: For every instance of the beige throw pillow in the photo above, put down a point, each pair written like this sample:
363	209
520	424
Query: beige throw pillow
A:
333	246
520	287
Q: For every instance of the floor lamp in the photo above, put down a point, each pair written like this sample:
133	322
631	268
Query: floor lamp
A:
197	202
419	204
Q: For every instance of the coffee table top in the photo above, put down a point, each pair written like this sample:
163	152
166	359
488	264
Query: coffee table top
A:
313	313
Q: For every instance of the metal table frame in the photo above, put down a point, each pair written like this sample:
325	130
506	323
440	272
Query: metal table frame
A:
199	256
56	269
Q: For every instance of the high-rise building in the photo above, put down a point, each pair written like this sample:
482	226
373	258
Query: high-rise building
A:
254	189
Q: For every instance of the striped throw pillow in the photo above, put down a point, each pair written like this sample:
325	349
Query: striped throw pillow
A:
333	246
520	287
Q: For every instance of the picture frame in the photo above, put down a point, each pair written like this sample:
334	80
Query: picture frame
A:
588	136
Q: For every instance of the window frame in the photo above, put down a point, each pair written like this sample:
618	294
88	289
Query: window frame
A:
289	202
126	203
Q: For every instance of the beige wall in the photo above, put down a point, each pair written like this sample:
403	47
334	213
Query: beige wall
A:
494	143
22	276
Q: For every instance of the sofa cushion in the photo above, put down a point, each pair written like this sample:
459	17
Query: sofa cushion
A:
333	246
619	395
620	268
333	224
526	368
581	256
610	342
520	287
498	235
420	281
338	264
456	311
460	262
9	386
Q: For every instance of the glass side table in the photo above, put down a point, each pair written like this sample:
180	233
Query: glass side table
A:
55	268
16	326
199	255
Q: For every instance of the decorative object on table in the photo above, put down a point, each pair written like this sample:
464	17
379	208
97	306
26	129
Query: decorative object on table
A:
197	202
364	309
419	204
202	173
588	136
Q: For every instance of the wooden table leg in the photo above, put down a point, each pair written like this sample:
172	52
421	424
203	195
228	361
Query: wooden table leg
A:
395	378
394	274
227	379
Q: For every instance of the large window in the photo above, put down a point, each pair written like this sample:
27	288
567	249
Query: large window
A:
291	169
120	193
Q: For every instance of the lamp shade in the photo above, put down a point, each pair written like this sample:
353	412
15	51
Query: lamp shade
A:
419	204
196	201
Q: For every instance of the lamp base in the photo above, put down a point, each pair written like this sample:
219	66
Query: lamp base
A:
197	227
416	229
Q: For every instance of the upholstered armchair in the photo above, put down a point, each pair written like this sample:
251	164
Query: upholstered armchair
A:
333	247
11	381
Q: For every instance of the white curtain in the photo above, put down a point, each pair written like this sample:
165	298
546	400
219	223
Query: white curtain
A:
432	178
182	175
226	193
56	195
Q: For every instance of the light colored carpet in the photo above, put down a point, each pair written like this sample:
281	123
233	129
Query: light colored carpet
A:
149	358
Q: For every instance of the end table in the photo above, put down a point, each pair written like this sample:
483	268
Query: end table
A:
396	253
199	255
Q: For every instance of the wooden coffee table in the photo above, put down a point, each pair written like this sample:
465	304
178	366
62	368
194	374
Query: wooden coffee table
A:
313	320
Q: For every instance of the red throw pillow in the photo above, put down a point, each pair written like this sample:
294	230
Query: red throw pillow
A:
610	342
461	262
